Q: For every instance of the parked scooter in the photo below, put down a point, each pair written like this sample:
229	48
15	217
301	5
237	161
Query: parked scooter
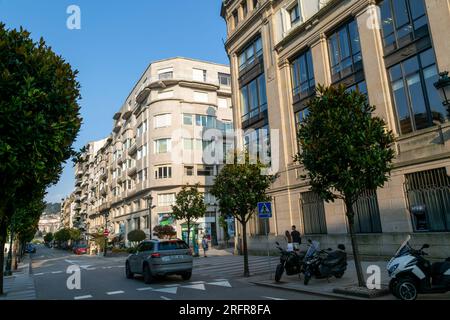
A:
324	264
411	273
290	261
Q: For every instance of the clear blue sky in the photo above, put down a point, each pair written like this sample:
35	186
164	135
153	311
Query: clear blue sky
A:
117	40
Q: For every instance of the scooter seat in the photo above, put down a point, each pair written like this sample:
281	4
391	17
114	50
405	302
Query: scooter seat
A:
439	268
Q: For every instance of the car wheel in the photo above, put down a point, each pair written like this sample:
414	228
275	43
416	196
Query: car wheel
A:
148	278
128	272
186	275
406	289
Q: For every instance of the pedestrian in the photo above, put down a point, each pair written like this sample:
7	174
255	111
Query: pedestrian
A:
205	245
290	246
296	238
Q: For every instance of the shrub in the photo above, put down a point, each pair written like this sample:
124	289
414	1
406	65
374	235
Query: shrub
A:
164	232
136	236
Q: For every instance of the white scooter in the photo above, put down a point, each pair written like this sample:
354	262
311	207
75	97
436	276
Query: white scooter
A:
411	273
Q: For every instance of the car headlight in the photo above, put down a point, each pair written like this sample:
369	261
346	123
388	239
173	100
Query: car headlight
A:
393	268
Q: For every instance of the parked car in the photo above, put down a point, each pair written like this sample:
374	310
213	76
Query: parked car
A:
30	248
80	249
160	258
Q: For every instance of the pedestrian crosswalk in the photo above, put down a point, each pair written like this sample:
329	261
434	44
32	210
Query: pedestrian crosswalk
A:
234	265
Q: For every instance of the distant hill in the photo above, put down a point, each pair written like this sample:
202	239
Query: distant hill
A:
52	208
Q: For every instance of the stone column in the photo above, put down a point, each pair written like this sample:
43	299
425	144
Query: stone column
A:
321	63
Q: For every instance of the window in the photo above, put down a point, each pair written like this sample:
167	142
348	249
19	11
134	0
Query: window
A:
187	119
254	98
127	144
165	94
209	198
367	213
162	120
428	195
255	4
345	51
313	211
199	75
251	53
222	103
189	170
172	245
200	96
163	172
226	125
146	226
142	152
294	14
258	141
188	144
205	170
301	115
416	99
224	79
165	200
302	74
360	87
141	176
165	74
162	146
403	21
205	121
137	225
235	18
141	129
244	8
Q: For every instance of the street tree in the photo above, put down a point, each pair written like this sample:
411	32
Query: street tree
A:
239	187
345	150
62	236
39	120
48	237
136	236
189	206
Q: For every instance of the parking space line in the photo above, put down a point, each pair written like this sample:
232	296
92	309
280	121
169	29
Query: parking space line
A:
83	297
114	292
144	289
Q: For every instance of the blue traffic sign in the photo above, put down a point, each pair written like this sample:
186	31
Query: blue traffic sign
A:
265	209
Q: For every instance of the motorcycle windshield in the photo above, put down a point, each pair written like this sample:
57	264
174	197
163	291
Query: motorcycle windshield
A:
313	248
404	248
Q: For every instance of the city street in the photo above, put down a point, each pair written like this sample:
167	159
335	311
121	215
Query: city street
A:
103	278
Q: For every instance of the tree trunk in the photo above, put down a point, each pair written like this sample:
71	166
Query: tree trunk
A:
3	234
350	217
188	233
244	237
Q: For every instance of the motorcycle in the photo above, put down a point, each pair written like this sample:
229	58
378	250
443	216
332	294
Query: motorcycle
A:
290	261
411	273
324	264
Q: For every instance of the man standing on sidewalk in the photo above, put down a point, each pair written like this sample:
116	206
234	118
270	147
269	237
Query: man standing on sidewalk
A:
296	238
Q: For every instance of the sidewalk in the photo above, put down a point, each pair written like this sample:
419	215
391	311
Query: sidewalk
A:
20	286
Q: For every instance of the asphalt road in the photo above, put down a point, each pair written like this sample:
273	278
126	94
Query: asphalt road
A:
103	278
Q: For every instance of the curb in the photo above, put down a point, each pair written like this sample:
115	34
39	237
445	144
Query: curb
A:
317	293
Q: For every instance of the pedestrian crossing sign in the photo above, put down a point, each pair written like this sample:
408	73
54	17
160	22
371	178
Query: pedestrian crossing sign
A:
265	209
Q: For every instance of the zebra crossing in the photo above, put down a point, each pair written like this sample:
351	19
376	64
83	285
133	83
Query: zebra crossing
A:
234	265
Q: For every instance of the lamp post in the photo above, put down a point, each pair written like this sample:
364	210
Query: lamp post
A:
443	86
150	206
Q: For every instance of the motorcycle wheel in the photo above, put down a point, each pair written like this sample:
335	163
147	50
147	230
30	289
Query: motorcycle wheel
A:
279	272
307	278
393	287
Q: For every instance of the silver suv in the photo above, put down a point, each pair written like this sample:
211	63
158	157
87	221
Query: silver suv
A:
160	258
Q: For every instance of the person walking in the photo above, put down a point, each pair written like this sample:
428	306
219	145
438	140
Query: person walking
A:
296	238
205	245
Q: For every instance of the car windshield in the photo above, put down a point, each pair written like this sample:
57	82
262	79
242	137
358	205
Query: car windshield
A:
404	248
172	245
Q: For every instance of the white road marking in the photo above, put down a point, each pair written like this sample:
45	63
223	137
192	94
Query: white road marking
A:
114	292
172	290
39	274
220	283
144	289
172	285
200	286
273	298
83	297
55	272
165	298
196	282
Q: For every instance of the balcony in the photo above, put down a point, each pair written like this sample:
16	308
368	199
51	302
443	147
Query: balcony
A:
104	206
132	150
77	183
78	191
117	126
104	176
117	115
127	114
104	191
132	171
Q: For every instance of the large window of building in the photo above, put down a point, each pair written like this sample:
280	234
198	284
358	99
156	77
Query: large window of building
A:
302	73
403	22
367	213
205	121
203	170
165	74
258	141
166	199
141	152
251	53
162	120
345	51
254	98
416	99
141	129
141	176
313	210
162	146
199	75
163	172
187	119
224	79
294	14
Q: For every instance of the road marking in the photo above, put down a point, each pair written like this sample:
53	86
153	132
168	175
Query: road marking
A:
83	297
272	298
165	298
200	286
220	283
220	279
114	292
144	289
172	285
55	272
39	274
172	290
196	282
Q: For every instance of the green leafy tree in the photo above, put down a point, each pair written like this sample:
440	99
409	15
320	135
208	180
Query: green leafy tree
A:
189	206
239	187
136	236
48	237
62	236
223	223
39	120
75	234
345	150
164	232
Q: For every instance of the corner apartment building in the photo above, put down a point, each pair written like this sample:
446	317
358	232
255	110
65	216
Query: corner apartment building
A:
156	147
391	50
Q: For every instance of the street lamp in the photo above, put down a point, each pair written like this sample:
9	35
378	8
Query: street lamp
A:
443	85
150	206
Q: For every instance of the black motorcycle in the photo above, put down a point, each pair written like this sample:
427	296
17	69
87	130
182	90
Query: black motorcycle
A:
290	261
324	264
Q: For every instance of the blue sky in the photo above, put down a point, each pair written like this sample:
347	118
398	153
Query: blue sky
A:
116	42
